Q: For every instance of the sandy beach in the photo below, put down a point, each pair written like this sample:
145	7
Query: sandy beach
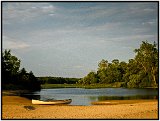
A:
13	107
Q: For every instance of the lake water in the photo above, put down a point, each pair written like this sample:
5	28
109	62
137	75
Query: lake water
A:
81	96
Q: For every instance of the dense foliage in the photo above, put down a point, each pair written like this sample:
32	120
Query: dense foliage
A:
13	77
57	80
140	72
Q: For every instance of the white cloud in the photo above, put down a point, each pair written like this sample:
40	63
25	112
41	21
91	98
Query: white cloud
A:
9	43
47	8
148	10
89	35
149	23
18	11
51	14
72	39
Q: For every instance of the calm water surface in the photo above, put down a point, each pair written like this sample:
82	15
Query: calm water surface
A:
81	96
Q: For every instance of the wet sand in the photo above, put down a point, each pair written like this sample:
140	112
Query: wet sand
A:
13	107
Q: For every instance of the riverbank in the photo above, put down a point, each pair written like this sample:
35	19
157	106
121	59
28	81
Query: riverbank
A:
89	86
14	107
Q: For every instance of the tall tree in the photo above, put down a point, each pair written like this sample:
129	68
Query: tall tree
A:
103	64
102	71
115	61
142	71
10	63
147	60
10	67
12	78
91	78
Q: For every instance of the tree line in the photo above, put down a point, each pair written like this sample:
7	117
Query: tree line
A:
15	78
140	72
57	80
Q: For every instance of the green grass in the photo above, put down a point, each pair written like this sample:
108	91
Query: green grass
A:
91	86
48	86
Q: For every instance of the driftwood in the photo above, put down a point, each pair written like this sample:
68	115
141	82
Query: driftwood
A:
29	107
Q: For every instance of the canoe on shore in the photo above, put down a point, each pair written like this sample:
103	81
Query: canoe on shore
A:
51	102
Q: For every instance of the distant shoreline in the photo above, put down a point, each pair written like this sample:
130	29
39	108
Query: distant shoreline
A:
13	108
91	86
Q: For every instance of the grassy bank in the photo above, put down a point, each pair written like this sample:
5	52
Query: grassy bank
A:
91	86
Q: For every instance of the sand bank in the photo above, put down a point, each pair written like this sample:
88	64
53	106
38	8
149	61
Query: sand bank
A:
13	107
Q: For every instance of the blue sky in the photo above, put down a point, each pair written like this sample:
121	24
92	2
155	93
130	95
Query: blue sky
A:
68	39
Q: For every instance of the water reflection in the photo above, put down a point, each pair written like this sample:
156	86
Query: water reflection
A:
82	96
102	98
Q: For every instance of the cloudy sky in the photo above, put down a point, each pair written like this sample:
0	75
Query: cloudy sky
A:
68	39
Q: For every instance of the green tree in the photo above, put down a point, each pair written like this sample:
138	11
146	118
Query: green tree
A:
113	72
115	61
10	67
147	60
102	71
102	75
130	70
103	64
123	68
17	79
10	63
91	78
33	83
142	71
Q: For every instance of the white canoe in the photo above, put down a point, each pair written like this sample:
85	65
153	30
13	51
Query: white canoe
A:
51	102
